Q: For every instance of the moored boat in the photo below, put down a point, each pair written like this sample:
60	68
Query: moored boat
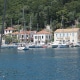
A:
22	47
62	45
54	45
38	46
31	45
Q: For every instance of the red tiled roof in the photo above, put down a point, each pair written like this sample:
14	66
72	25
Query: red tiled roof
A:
22	32
10	28
15	33
67	30
43	32
26	32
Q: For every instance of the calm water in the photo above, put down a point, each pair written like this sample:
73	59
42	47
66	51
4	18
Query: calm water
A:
40	64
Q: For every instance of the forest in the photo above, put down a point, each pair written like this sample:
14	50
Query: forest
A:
38	13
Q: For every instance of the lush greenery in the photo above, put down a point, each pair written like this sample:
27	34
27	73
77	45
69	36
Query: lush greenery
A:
37	13
9	39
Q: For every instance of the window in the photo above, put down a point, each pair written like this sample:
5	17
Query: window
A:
35	37
72	34
42	37
63	34
46	37
56	35
49	36
67	34
60	35
22	36
26	35
72	40
39	37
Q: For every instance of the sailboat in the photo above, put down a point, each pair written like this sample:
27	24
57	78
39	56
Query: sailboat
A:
23	46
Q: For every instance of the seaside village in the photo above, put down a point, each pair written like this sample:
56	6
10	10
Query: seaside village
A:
61	38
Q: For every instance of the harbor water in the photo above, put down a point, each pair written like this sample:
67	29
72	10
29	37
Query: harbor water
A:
40	64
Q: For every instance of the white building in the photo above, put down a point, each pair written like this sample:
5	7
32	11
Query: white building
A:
24	36
71	35
9	30
15	34
42	37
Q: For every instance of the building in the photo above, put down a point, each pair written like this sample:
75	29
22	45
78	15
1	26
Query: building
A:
24	36
71	35
15	34
9	30
42	37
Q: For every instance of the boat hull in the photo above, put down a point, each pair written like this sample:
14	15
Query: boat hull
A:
54	46
63	46
22	48
31	46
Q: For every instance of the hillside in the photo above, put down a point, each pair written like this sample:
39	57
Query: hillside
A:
40	13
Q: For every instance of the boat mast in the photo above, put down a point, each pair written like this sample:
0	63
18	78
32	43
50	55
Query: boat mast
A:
30	23
62	22
37	27
11	23
3	21
24	25
23	20
30	27
62	29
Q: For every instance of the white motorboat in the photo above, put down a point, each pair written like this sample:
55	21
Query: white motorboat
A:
54	44
31	45
22	46
63	45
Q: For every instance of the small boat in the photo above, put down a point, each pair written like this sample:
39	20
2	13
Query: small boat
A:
54	45
74	44
38	46
63	46
35	46
31	45
22	47
45	46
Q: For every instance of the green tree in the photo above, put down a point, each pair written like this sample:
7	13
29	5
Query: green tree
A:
8	39
42	10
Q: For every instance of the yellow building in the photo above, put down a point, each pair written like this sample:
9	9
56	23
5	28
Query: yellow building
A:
70	35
